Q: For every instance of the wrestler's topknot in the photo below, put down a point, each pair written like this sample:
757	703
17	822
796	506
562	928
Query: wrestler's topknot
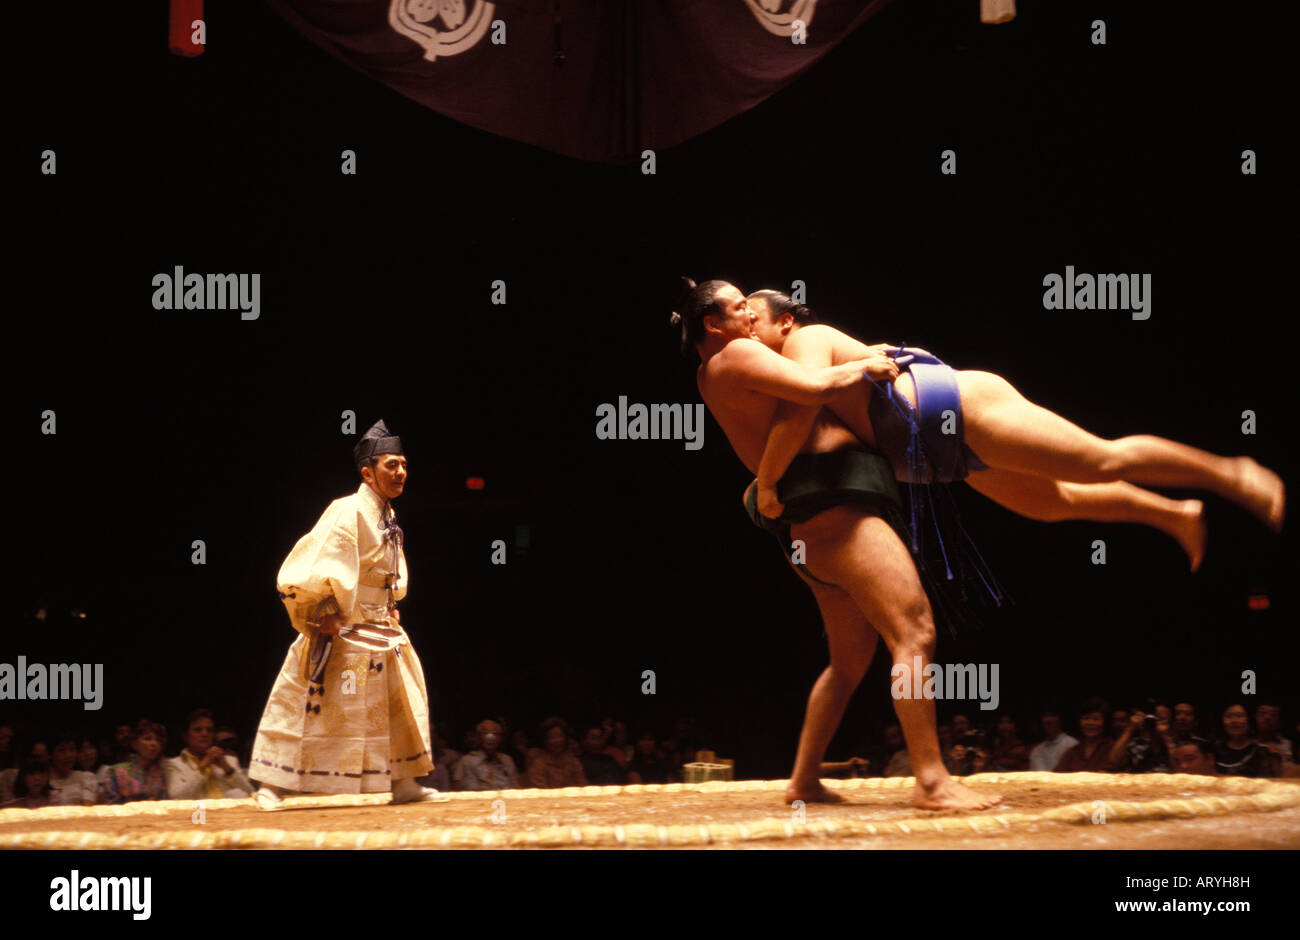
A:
780	303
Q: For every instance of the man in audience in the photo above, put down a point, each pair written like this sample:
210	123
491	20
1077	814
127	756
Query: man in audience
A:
487	768
1186	727
1047	754
1268	718
1194	756
599	768
1009	753
1119	720
649	764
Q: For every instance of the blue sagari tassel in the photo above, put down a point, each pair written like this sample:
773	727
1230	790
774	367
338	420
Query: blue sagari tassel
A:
925	514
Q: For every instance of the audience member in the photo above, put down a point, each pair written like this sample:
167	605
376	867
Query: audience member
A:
1268	718
1009	752
227	738
8	758
649	764
1119	720
1141	749
881	755
555	765
1047	754
1193	756
944	732
487	768
31	788
203	770
1093	752
619	747
599	768
1239	755
1186	726
88	756
141	777
119	749
28	749
70	786
511	747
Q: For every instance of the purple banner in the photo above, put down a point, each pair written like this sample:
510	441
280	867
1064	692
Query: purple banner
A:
598	80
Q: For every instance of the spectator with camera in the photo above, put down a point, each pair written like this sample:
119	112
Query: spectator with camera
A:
1141	748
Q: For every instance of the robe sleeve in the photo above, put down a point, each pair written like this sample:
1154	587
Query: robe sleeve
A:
320	575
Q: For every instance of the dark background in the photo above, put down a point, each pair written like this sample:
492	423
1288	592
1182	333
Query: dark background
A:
183	425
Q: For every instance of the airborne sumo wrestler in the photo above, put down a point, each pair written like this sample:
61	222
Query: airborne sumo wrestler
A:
1017	453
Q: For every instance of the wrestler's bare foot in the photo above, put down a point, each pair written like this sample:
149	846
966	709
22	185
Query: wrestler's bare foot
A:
949	794
1263	492
813	793
1191	530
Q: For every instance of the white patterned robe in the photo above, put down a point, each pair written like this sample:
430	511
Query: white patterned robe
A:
365	725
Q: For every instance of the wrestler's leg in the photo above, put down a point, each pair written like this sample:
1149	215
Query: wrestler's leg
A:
1054	501
860	553
1006	430
852	641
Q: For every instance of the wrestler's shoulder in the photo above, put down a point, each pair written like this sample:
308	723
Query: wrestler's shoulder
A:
821	333
738	350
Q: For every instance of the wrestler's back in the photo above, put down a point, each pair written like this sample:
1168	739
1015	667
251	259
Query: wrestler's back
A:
851	407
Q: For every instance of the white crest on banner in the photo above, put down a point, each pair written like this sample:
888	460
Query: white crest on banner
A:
417	19
782	24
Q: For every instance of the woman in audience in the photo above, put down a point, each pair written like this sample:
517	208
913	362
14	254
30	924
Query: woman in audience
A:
71	786
32	785
202	770
141	777
555	765
1237	753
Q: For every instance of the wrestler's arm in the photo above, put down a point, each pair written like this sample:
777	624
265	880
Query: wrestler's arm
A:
791	423
759	369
